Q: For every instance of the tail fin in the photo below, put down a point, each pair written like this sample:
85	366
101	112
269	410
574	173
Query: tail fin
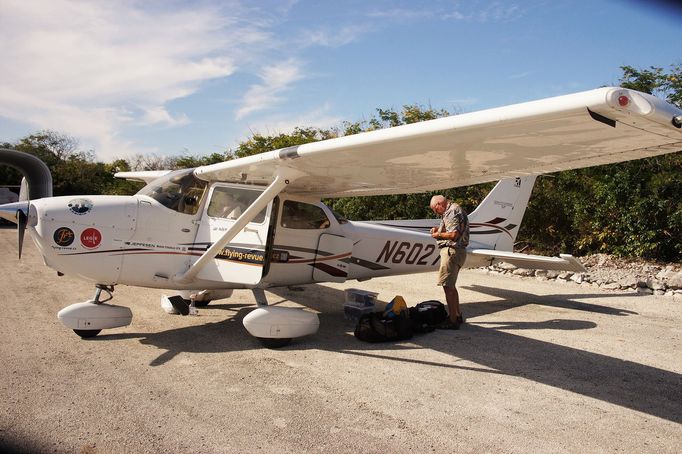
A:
496	221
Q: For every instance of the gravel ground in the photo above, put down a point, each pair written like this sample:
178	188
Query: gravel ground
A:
540	367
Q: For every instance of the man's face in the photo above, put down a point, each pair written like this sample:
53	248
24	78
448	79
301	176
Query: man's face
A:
439	208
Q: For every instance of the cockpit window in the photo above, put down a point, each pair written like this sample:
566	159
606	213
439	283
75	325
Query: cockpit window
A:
180	191
298	215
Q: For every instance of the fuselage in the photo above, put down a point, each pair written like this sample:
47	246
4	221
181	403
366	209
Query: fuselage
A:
140	241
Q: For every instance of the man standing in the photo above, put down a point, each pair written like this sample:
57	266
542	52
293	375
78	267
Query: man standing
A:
453	238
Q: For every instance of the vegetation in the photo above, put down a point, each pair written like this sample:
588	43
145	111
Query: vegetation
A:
629	209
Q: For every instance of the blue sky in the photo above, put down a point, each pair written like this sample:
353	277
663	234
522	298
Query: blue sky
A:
197	77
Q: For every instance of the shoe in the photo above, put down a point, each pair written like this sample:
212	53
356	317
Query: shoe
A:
460	319
448	324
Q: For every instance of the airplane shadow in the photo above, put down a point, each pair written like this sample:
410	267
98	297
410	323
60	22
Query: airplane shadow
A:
488	345
511	299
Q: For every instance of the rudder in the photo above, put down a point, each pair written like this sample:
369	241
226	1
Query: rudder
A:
496	221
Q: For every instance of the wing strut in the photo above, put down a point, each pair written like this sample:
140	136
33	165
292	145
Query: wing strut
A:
282	179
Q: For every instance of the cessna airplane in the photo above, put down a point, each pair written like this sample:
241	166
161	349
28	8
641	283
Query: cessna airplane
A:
258	221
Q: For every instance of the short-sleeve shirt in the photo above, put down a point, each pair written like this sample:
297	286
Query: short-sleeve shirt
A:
455	219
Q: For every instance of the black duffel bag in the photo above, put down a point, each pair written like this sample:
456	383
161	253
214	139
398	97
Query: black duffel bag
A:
374	327
425	316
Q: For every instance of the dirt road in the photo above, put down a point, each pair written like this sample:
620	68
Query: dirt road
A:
540	367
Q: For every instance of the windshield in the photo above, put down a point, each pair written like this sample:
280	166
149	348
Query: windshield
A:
180	191
339	218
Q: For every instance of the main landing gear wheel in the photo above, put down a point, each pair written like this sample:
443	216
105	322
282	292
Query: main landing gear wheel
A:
87	333
271	342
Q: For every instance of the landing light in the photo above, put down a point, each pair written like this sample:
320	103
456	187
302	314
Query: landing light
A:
623	100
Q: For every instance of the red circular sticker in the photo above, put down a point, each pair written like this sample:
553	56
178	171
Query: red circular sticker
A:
91	238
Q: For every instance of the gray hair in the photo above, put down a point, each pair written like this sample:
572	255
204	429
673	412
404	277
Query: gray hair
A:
436	199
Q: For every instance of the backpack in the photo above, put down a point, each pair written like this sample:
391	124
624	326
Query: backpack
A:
425	316
374	327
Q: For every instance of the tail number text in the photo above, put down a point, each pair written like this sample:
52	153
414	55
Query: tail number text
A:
408	253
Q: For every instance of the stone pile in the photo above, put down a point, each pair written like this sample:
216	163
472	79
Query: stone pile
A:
611	273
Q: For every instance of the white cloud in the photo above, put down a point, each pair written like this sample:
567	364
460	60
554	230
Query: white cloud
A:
275	80
492	12
481	12
159	115
521	75
282	124
403	14
334	37
90	68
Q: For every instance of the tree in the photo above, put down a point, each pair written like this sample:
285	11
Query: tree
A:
630	209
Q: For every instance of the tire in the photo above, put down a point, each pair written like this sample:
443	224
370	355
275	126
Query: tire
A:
87	333
198	303
271	342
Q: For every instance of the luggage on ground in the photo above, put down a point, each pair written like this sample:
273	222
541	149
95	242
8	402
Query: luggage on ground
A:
425	316
374	327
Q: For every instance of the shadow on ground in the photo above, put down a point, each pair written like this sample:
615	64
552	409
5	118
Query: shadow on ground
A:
632	385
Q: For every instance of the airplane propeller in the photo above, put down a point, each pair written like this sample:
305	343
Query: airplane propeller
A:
21	228
18	213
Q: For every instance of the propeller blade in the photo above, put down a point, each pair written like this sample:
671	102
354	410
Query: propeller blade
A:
21	229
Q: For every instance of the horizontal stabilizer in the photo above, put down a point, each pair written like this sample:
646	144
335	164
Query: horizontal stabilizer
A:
565	262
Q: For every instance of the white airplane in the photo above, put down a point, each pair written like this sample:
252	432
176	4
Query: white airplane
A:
258	222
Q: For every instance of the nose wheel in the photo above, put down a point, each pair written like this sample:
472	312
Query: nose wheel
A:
87	333
87	319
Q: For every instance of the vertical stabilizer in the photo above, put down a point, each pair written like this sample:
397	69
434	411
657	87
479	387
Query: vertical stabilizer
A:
496	221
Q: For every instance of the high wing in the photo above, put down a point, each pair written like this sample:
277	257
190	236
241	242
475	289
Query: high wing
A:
145	176
584	129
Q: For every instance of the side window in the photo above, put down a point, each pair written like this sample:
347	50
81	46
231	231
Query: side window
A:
230	203
297	215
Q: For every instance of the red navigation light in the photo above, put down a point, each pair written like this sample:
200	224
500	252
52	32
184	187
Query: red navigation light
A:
623	100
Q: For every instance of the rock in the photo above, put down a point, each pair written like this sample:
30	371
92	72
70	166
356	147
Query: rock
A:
645	291
627	283
577	278
552	274
566	275
642	284
659	292
523	272
540	273
675	281
655	284
666	274
670	293
611	286
506	266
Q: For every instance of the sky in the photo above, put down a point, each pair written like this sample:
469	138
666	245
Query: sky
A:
199	77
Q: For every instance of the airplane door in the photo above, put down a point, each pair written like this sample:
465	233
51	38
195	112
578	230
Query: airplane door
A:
242	260
329	264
